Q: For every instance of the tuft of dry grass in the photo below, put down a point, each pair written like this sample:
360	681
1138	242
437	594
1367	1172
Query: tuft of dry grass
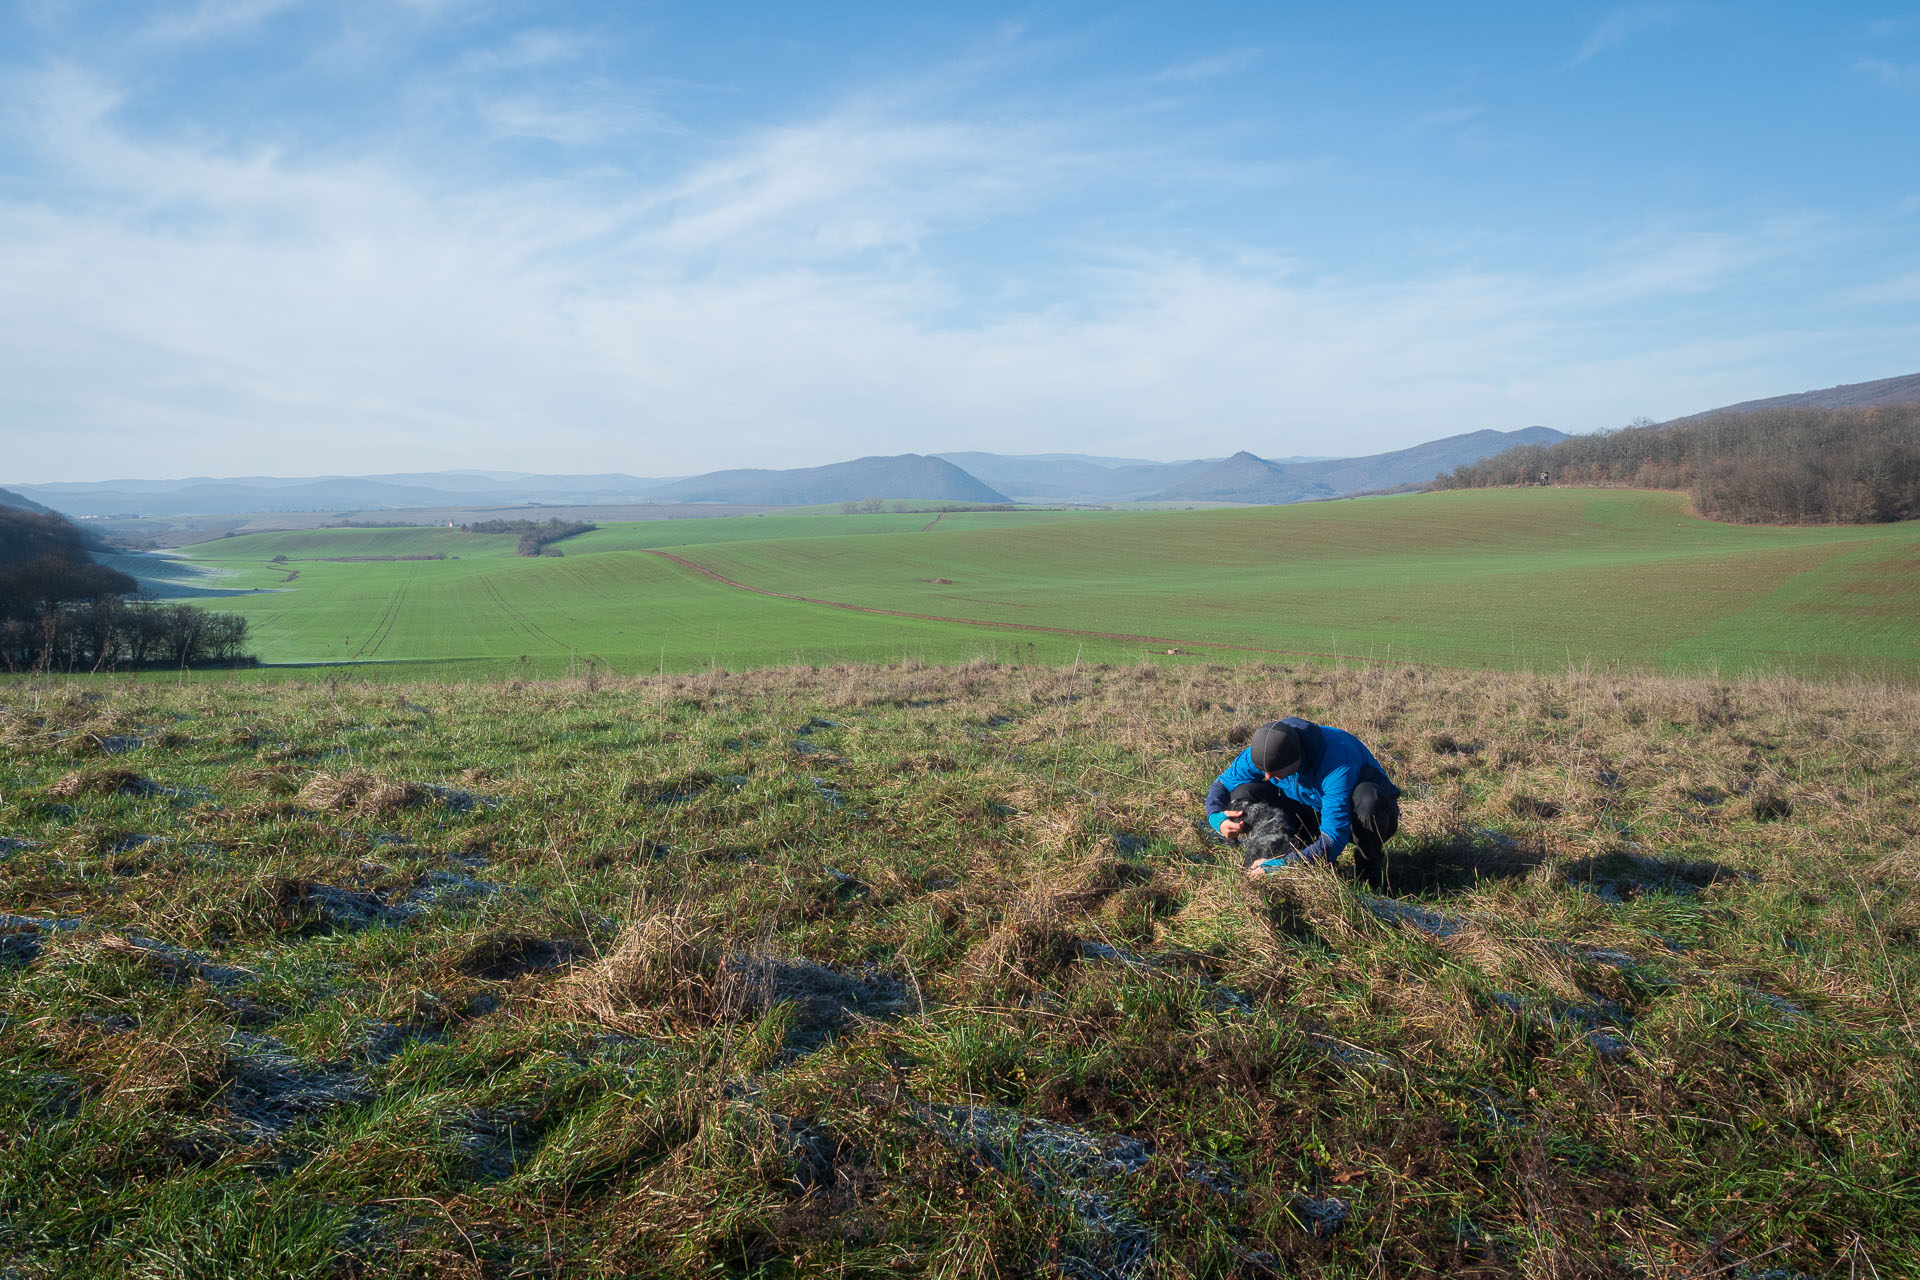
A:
98	782
138	1071
665	966
361	793
274	779
1038	935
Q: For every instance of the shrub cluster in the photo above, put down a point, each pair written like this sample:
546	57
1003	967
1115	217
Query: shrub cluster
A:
1774	466
60	610
535	536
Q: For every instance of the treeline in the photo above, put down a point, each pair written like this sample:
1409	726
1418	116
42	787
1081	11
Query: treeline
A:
535	535
1772	466
60	611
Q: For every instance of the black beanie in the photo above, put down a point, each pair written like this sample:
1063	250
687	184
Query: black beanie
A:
1276	749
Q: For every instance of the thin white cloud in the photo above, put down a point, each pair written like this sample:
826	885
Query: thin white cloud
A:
535	47
1622	25
1900	288
214	19
1213	66
1447	117
1898	76
576	119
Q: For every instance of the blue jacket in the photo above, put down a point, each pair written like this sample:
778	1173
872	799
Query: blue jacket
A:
1333	762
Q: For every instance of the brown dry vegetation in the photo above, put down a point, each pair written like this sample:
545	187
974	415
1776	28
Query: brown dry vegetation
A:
359	793
965	988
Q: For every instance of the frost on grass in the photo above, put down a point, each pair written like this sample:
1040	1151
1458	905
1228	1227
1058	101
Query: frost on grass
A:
449	888
339	908
1074	1170
1601	1021
270	1090
1433	923
1623	875
496	1140
457	802
21	938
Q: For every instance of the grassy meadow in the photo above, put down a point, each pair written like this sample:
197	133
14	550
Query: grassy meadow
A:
913	971
1536	579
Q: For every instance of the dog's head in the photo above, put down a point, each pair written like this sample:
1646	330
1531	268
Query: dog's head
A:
1270	832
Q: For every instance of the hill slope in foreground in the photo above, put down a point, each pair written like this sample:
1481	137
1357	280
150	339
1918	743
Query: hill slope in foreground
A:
912	971
1504	578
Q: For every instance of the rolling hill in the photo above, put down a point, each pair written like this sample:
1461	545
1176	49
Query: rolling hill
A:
1247	478
8	498
1853	395
907	475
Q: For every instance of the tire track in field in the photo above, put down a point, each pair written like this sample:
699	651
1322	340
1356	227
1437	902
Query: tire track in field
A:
519	618
577	576
1128	637
383	628
515	615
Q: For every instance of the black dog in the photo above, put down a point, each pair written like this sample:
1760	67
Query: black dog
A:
1271	832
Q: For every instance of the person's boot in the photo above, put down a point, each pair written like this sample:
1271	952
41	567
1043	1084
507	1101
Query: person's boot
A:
1370	865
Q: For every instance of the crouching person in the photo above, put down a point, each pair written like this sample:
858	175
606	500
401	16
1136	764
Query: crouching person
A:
1299	793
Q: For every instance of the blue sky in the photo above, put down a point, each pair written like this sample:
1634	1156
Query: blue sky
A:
276	237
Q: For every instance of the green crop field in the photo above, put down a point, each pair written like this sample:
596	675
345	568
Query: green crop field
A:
1541	579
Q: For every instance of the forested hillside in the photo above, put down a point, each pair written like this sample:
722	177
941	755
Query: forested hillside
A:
1775	466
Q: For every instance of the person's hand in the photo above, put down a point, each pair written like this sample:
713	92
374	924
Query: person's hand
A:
1233	826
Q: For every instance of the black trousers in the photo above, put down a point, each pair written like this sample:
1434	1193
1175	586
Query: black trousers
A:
1376	816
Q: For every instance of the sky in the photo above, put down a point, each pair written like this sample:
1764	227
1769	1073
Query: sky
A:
287	237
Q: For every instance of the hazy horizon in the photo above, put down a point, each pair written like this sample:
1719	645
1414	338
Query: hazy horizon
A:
253	237
504	476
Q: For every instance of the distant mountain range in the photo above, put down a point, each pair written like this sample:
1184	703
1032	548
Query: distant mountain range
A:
1246	478
951	477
